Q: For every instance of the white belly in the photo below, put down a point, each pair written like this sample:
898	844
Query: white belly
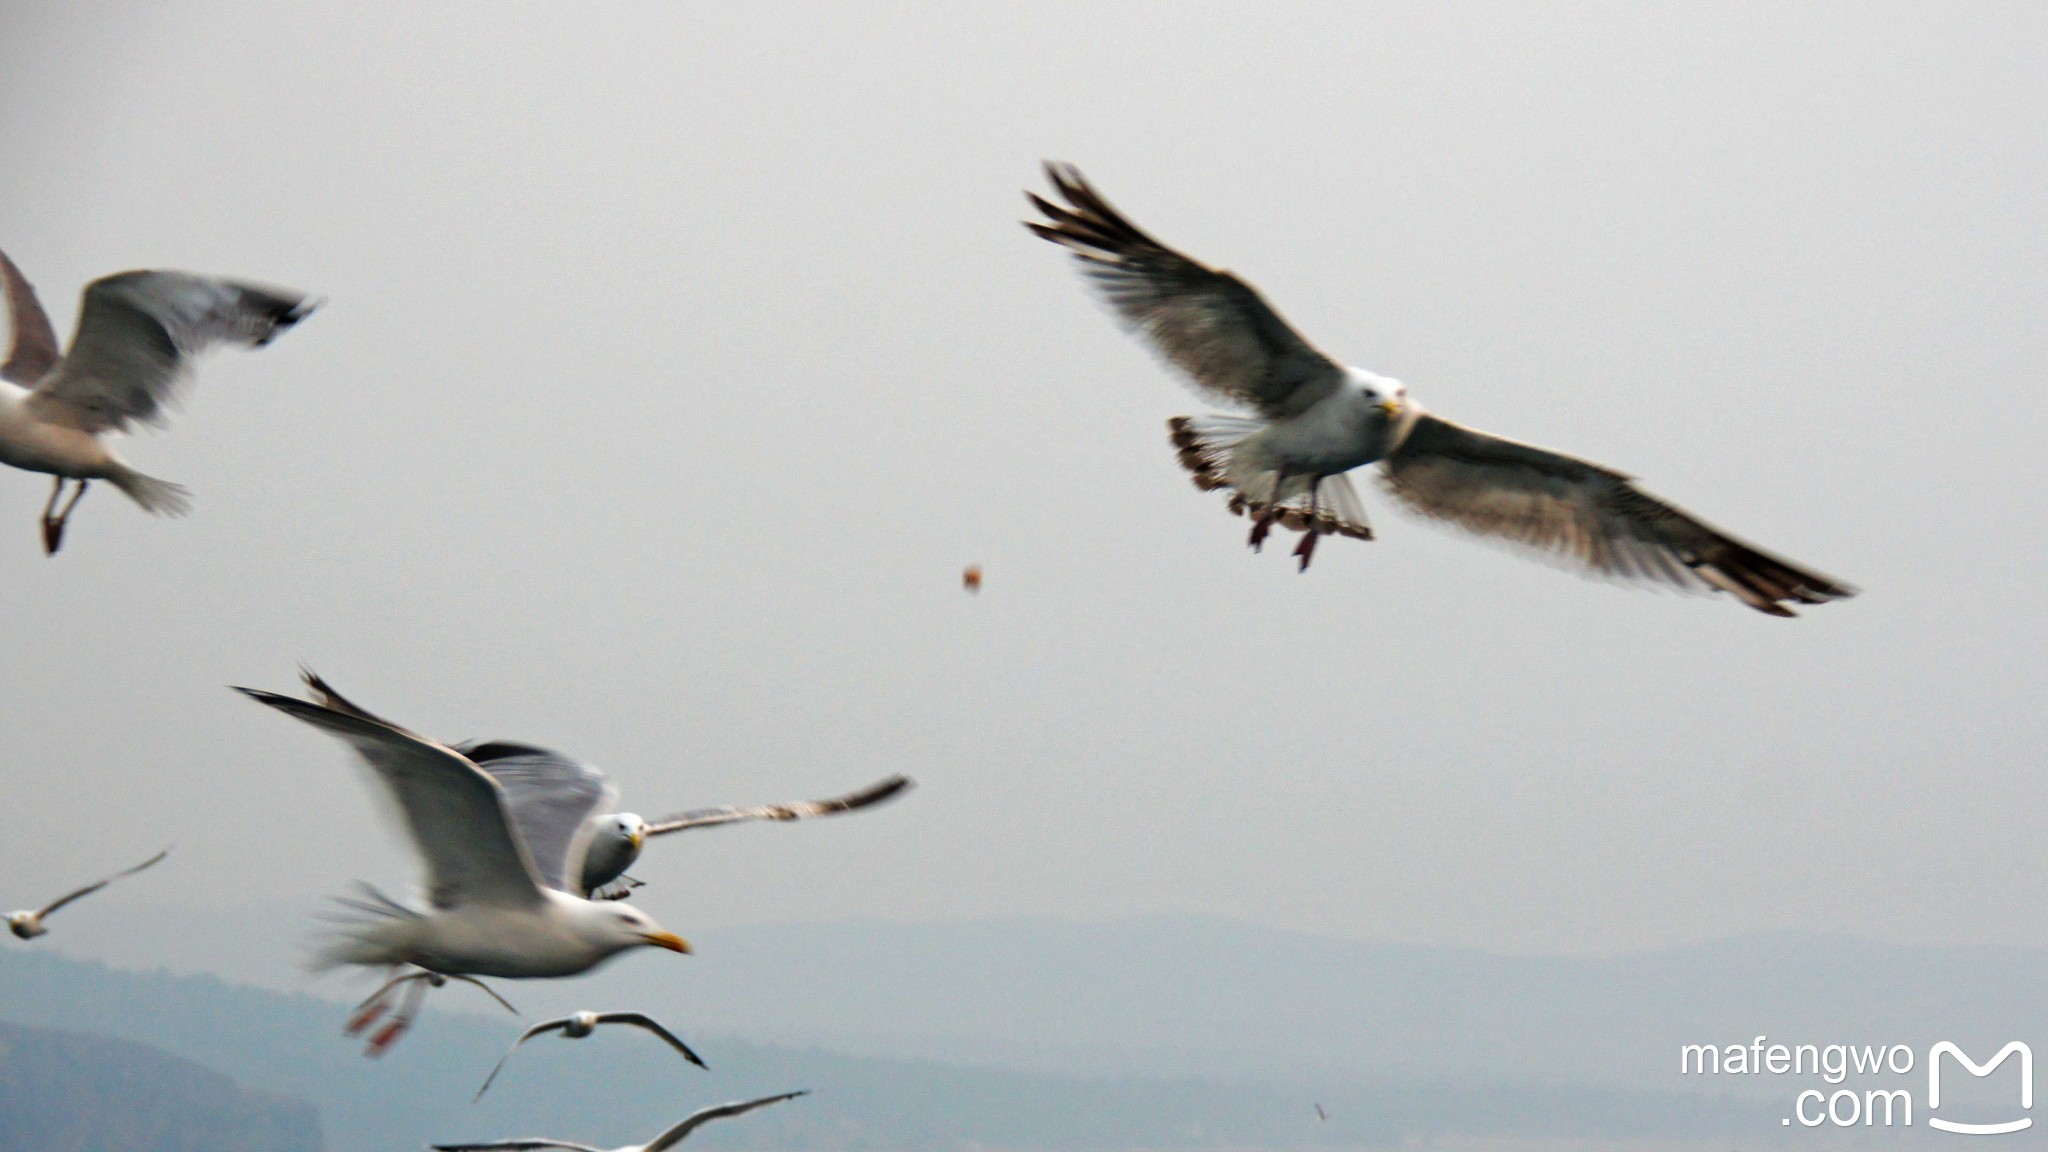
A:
1344	431
37	447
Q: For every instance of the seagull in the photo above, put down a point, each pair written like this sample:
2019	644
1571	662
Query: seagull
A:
1313	420
29	925
138	333
413	986
668	1139
541	785
580	1024
499	901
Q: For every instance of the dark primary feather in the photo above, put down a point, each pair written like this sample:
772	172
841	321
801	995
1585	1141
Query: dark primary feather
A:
34	349
1208	323
1590	516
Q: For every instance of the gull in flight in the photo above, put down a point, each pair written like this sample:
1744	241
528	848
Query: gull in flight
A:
1313	420
498	897
541	785
138	333
668	1139
580	1024
29	925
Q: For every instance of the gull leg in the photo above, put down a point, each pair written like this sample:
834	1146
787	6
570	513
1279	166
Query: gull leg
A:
408	1008
374	1005
1307	548
1271	512
53	529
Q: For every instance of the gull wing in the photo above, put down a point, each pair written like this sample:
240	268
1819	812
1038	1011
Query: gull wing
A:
89	889
1593	518
137	335
528	1144
34	351
551	799
454	811
873	794
642	1020
1231	345
675	1135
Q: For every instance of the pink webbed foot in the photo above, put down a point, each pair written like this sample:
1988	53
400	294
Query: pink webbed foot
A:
1307	548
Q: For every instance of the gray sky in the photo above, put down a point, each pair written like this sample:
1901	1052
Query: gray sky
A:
677	358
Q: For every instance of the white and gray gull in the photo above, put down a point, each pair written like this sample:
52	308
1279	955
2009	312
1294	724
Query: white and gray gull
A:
29	924
137	335
540	782
578	1025
1313	420
666	1140
500	900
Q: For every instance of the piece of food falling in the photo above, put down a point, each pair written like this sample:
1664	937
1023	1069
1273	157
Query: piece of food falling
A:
971	578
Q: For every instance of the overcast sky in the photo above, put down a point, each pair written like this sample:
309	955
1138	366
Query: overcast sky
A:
677	357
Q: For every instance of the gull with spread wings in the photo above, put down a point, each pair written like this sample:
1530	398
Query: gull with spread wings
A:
138	334
499	894
1312	420
668	1139
538	781
29	924
578	1025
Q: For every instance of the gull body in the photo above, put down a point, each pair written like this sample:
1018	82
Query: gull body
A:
1312	420
579	1025
138	334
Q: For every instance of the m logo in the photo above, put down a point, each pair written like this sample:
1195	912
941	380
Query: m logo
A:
1976	1069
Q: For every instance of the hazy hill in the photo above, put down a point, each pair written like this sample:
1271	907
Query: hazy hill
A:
70	1092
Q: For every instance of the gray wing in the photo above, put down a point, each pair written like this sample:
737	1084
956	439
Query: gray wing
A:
1215	328
530	1033
551	799
137	335
89	889
642	1020
34	350
1591	517
873	794
675	1135
520	1145
455	812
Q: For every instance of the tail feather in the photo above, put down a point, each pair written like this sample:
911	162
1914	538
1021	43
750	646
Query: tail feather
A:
1207	446
156	497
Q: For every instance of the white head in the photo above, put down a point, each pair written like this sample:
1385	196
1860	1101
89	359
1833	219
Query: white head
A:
26	925
1387	393
612	927
613	848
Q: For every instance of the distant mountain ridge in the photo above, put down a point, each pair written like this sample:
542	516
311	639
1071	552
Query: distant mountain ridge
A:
85	1093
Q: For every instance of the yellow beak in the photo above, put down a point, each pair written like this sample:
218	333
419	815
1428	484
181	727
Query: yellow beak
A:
668	940
1390	407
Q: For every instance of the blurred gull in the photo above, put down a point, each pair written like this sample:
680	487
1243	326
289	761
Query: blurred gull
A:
499	900
138	333
1315	420
29	925
667	1139
578	1025
542	786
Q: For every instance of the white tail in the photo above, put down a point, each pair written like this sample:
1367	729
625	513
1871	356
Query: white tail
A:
157	497
1208	450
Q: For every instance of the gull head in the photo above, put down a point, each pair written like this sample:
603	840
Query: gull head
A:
26	925
613	848
611	927
1385	393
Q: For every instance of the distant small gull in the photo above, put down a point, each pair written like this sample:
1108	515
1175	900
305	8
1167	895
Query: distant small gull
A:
138	333
543	786
499	902
29	925
1314	420
668	1139
580	1024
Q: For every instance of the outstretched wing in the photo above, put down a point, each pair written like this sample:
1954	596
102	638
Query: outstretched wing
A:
551	799
34	350
454	811
1212	326
137	335
873	794
89	889
530	1033
675	1135
642	1020
527	1144
1593	518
